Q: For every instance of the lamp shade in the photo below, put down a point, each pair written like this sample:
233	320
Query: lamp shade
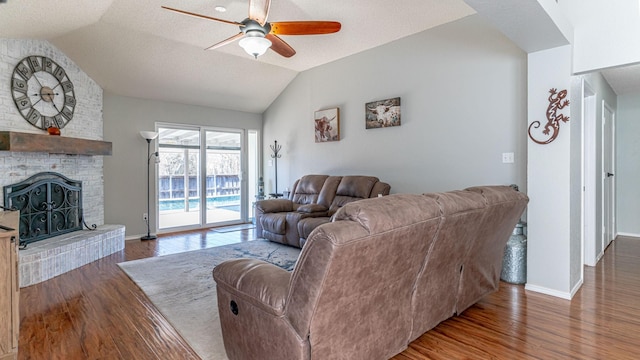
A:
148	135
255	45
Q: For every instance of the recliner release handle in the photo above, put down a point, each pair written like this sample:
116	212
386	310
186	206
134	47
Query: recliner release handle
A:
234	307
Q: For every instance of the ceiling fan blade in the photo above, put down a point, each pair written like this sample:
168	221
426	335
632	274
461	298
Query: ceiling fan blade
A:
201	16
259	10
226	41
280	46
304	27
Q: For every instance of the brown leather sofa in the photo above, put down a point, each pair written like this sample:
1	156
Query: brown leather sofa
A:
312	202
385	271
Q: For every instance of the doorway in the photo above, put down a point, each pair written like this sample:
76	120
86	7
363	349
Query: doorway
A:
201	177
598	200
589	175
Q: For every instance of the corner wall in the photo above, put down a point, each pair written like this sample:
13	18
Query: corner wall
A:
553	259
125	172
463	99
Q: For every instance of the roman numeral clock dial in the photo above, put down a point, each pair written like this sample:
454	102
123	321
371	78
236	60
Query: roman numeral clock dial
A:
43	92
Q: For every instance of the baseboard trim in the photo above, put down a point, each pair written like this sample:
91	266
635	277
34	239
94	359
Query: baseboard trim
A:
628	234
576	288
547	291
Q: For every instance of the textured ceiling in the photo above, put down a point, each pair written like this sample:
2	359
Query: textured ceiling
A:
135	48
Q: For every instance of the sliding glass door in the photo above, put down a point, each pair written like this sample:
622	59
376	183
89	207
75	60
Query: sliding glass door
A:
201	176
178	177
223	169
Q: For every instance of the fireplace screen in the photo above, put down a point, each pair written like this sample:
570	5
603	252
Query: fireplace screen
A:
50	204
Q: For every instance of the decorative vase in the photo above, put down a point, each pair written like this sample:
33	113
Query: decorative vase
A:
514	262
260	188
52	130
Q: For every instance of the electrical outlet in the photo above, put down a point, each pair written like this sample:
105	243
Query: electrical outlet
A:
507	158
145	216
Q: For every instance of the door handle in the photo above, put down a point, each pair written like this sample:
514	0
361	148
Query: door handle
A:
609	174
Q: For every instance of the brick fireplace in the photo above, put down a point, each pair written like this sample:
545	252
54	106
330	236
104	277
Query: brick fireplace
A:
53	256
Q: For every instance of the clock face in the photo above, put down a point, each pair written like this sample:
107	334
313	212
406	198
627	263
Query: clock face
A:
43	92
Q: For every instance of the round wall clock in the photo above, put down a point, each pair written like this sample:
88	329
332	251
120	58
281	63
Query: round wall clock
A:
43	92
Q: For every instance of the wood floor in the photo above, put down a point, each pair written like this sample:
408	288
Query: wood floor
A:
97	312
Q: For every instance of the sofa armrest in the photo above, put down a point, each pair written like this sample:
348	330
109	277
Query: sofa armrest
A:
257	282
274	205
312	208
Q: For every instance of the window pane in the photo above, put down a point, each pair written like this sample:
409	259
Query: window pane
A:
178	177
223	176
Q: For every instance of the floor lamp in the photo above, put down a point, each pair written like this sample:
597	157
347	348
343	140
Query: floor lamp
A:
149	135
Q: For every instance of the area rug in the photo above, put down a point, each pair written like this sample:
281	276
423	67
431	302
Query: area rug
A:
182	288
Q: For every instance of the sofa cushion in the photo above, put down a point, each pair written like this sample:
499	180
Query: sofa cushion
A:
307	225
275	223
274	205
308	189
311	208
352	188
356	186
328	192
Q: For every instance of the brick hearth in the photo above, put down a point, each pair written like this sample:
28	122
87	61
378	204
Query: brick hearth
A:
48	258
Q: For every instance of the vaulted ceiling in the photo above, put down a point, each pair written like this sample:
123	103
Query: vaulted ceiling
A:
138	49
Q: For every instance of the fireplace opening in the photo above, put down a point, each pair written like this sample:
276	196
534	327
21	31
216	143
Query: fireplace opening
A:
50	204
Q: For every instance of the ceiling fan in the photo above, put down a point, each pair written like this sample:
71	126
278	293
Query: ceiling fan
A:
257	34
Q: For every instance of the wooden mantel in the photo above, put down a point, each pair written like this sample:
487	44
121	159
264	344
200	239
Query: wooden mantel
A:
52	144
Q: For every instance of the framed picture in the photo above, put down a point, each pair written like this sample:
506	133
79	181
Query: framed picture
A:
383	113
327	125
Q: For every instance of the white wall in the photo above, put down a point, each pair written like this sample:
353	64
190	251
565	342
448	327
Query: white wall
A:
555	252
628	164
605	33
533	25
549	178
126	171
463	92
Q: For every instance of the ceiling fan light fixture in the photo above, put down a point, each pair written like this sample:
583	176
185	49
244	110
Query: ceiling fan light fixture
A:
255	45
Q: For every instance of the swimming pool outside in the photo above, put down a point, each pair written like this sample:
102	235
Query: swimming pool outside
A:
219	202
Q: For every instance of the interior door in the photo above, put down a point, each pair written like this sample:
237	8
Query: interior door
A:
608	184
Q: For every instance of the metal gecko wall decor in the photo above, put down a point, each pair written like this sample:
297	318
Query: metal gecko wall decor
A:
552	127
